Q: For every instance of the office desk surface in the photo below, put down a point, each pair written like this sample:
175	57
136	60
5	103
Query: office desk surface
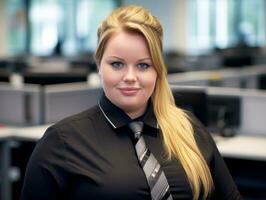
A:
26	133
242	146
239	146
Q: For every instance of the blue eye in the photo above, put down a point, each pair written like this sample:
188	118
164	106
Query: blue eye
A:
117	64
143	66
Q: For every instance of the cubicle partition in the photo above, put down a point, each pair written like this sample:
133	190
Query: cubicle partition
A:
252	77
63	100
20	106
251	106
36	105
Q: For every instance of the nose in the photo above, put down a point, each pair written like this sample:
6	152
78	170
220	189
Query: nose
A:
130	74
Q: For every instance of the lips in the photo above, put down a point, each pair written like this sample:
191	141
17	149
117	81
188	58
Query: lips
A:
129	91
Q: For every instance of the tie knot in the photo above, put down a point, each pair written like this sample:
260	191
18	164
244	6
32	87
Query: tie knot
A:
136	127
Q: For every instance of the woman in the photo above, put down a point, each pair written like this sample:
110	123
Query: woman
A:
92	155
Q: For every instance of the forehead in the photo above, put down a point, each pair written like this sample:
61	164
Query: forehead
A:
125	42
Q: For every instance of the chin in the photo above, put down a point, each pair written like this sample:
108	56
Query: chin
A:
128	106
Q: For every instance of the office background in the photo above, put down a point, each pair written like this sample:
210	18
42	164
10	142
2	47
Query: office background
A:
191	26
215	52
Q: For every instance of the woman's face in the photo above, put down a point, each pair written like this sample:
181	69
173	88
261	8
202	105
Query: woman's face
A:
127	72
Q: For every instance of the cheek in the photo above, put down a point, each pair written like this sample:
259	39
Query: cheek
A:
149	84
108	77
152	80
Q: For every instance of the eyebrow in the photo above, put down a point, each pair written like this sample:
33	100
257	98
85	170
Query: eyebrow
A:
145	59
116	57
142	59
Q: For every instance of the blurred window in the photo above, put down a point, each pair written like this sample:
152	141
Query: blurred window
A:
16	26
89	15
45	21
225	24
66	27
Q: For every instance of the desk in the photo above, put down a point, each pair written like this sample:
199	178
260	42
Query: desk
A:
8	137
23	133
242	147
245	157
239	147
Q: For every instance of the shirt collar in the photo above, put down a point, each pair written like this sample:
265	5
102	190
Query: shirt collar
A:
118	118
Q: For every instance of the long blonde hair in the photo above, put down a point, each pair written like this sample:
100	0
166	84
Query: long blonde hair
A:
177	130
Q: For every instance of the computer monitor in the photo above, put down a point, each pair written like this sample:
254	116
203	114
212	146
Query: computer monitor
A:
54	78
20	106
262	81
225	108
193	99
63	100
224	113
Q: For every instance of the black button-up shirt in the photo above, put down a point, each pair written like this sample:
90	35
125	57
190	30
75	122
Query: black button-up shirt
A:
91	156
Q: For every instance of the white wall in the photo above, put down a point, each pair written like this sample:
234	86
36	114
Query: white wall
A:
172	14
3	35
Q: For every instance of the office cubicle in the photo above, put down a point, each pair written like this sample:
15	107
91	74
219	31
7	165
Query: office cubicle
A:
247	77
252	107
20	106
63	100
244	145
33	105
235	118
224	113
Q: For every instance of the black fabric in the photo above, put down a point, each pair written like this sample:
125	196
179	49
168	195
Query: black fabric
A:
87	156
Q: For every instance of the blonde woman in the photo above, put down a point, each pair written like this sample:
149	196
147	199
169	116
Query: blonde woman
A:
95	154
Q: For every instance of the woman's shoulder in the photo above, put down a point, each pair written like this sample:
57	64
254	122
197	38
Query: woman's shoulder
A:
68	130
71	127
82	116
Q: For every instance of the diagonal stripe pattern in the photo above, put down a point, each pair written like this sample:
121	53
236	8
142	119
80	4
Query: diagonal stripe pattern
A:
155	176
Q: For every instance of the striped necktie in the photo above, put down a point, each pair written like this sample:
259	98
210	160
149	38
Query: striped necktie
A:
155	176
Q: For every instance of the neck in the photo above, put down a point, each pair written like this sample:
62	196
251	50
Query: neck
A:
133	114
